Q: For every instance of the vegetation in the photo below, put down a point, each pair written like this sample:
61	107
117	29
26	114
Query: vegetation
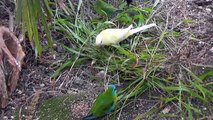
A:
141	60
29	14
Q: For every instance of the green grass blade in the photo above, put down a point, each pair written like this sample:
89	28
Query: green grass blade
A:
204	76
67	64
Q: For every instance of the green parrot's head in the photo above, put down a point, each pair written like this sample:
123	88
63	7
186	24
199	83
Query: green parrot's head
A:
113	87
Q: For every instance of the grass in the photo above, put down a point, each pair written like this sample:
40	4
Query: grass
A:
31	15
139	60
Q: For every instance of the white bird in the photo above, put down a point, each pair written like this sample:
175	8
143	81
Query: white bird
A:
114	36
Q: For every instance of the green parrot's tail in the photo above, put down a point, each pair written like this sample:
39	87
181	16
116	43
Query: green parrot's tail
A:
90	117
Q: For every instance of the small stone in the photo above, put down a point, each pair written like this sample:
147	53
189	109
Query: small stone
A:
201	42
20	92
54	45
200	7
166	110
42	85
208	10
5	117
211	50
101	74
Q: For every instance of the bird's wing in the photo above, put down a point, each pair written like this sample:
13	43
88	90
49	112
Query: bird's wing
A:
113	36
102	105
110	36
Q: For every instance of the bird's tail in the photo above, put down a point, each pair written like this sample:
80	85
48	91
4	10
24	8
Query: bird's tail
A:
143	28
90	117
130	27
125	32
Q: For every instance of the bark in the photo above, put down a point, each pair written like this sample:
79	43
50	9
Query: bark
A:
11	57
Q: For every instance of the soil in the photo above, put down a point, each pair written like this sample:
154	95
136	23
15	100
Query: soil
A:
36	86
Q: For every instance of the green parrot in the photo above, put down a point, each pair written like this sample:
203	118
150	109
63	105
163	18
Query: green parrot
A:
104	104
105	9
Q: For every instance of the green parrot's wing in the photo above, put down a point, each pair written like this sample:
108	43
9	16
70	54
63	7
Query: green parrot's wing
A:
103	104
104	8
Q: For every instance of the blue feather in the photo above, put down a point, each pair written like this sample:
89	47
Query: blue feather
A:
114	89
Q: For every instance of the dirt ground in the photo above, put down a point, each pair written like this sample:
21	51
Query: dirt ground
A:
35	76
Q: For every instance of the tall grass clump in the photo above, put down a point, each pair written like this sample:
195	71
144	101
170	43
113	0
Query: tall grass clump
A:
29	15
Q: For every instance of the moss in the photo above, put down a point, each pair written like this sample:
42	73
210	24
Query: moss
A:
57	108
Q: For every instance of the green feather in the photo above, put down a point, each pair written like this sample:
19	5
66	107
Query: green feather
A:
104	103
104	9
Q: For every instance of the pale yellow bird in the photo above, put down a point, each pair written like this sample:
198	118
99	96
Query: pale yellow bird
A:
114	36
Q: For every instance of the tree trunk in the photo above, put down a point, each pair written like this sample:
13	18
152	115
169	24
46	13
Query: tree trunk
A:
11	57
